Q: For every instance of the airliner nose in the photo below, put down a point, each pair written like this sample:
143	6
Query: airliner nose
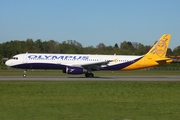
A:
8	63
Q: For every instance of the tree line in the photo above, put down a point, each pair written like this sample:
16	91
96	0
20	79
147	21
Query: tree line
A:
13	47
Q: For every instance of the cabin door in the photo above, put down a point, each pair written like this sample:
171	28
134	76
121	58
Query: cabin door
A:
25	58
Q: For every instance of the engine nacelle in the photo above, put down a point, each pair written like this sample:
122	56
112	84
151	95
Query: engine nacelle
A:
74	70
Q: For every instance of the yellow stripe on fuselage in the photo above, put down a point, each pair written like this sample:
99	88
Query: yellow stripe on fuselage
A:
144	62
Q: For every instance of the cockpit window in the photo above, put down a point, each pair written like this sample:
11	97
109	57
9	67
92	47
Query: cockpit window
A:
15	58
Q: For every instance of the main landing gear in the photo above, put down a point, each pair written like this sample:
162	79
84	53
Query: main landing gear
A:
89	74
24	75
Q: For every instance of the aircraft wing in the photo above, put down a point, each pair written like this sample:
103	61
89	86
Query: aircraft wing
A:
95	65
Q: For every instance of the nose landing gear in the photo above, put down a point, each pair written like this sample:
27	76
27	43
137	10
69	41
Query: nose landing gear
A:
24	75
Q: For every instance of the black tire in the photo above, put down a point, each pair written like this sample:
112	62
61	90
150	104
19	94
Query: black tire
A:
86	74
91	75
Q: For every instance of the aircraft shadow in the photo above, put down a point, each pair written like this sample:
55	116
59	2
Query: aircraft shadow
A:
95	77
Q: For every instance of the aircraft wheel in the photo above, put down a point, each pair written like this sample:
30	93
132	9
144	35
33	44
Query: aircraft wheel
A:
86	74
24	75
91	75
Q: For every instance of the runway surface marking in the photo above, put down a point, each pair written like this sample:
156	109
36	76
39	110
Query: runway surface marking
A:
96	78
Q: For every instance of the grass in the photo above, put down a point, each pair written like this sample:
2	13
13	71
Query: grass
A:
19	72
89	100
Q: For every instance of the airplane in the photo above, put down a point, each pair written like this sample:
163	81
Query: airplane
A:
86	64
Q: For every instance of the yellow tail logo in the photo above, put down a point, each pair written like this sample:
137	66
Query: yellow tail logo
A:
160	48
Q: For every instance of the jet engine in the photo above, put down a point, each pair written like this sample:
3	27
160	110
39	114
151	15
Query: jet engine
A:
74	70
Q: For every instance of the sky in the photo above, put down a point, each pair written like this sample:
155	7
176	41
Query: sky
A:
90	22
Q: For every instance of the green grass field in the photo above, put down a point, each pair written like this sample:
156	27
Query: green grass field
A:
89	100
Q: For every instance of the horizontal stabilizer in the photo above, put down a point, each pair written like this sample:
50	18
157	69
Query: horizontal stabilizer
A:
168	60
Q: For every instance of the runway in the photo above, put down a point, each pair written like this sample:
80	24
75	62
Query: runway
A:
96	78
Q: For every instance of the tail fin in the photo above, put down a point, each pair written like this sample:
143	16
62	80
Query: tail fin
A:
159	50
156	55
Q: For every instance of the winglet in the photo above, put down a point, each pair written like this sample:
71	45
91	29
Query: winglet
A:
115	60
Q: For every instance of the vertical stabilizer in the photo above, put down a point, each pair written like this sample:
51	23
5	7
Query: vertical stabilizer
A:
160	48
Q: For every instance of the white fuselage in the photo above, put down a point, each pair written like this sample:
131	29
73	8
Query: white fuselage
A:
59	61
